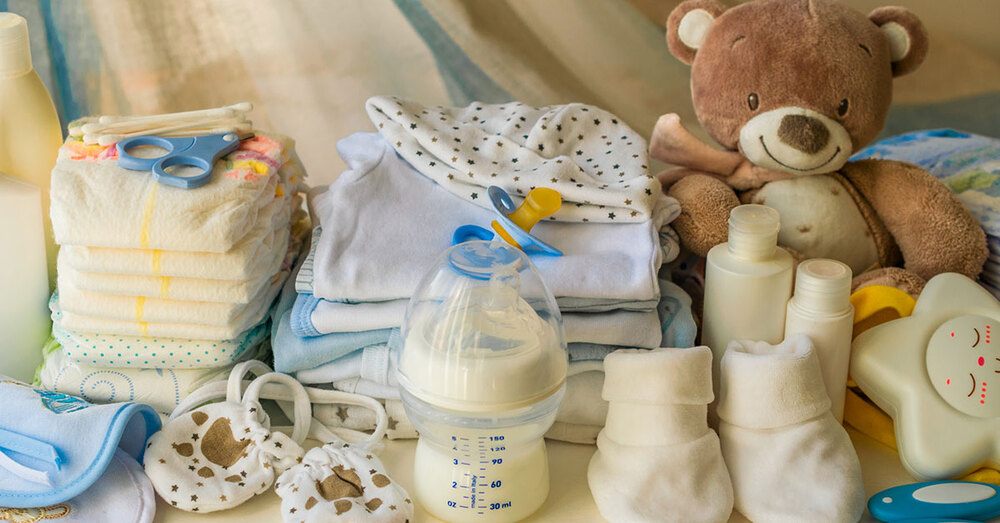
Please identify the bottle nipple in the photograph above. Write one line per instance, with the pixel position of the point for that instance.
(15, 53)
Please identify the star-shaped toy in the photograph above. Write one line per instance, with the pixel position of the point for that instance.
(937, 373)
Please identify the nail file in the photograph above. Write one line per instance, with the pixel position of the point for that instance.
(937, 501)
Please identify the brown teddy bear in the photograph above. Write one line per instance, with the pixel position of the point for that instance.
(791, 89)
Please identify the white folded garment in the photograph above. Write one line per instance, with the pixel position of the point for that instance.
(97, 203)
(380, 250)
(597, 163)
(246, 260)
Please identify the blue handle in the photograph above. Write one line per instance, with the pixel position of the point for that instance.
(200, 152)
(937, 500)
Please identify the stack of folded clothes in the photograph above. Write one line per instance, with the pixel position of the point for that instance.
(386, 219)
(969, 165)
(162, 288)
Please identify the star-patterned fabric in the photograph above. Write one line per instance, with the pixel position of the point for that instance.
(337, 482)
(598, 164)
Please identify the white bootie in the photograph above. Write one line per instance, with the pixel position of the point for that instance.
(788, 457)
(656, 458)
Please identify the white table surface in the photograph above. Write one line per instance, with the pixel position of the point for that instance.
(569, 497)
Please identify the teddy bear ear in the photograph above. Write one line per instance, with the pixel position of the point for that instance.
(687, 26)
(906, 35)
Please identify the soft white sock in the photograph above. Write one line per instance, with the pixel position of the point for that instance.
(656, 458)
(788, 457)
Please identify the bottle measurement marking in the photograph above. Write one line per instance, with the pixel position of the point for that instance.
(500, 505)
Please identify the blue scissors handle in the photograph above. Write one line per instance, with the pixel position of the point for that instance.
(200, 152)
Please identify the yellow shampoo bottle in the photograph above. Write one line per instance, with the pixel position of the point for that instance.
(30, 134)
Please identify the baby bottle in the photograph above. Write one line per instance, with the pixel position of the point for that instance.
(482, 370)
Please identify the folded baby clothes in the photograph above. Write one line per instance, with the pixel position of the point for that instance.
(161, 388)
(358, 256)
(97, 203)
(597, 163)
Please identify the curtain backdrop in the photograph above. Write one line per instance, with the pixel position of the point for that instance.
(308, 65)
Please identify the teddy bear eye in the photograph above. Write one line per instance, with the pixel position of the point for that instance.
(753, 101)
(842, 108)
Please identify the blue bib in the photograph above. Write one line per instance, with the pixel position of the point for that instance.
(54, 446)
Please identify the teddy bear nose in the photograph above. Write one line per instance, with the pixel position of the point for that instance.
(804, 133)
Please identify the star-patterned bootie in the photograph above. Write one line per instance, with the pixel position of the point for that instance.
(788, 457)
(656, 458)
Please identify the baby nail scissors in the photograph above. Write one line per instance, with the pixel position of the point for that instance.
(196, 151)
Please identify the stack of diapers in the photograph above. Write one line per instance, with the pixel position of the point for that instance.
(382, 224)
(161, 288)
(969, 165)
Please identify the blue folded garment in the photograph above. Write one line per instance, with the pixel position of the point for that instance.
(54, 446)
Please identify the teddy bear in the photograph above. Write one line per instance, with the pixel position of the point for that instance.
(791, 89)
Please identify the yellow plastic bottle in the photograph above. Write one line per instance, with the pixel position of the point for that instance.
(30, 134)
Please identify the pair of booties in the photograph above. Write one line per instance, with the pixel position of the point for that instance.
(779, 455)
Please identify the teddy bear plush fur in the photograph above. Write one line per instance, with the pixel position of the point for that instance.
(791, 89)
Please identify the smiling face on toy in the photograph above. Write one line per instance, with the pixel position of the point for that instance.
(963, 362)
(795, 85)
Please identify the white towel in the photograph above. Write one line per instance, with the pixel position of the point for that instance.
(246, 260)
(380, 250)
(597, 163)
(99, 204)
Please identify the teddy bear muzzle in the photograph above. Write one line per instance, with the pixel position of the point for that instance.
(796, 140)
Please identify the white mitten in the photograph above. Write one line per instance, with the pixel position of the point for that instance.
(656, 458)
(222, 454)
(788, 457)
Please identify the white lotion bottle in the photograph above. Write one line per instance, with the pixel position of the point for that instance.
(821, 309)
(748, 281)
(30, 134)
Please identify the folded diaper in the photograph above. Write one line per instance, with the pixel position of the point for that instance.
(95, 202)
(360, 254)
(53, 447)
(245, 261)
(160, 388)
(597, 163)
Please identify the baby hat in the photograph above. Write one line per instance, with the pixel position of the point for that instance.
(123, 494)
(340, 480)
(596, 162)
(54, 446)
(222, 454)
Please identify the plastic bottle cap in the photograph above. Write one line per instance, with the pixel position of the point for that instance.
(15, 52)
(823, 285)
(753, 231)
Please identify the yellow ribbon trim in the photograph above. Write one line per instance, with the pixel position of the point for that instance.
(147, 216)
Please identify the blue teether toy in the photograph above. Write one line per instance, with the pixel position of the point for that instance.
(937, 501)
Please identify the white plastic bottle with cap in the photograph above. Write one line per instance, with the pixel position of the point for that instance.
(821, 309)
(748, 281)
(30, 134)
(482, 371)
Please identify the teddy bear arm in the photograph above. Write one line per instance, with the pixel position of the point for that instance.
(705, 205)
(934, 231)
